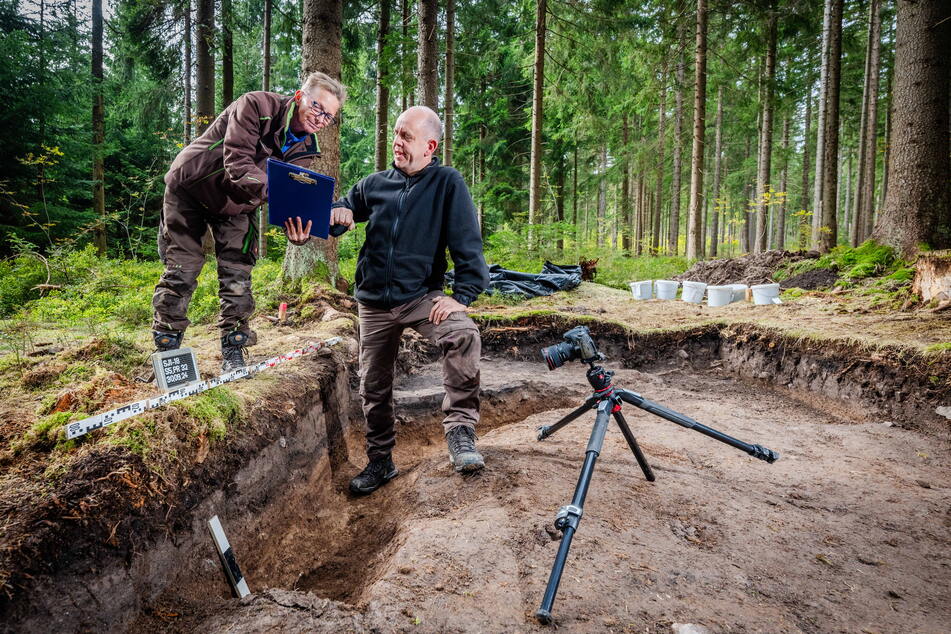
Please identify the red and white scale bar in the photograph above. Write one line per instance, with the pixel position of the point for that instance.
(86, 425)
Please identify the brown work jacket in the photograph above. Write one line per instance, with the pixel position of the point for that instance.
(224, 169)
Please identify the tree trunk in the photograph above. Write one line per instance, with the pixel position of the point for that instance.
(187, 72)
(780, 237)
(266, 72)
(560, 169)
(481, 206)
(917, 208)
(227, 54)
(427, 68)
(405, 89)
(661, 141)
(382, 152)
(574, 191)
(828, 230)
(265, 85)
(743, 230)
(450, 80)
(320, 50)
(717, 153)
(642, 215)
(886, 160)
(821, 125)
(695, 219)
(804, 225)
(98, 130)
(865, 193)
(538, 88)
(673, 234)
(602, 194)
(625, 186)
(766, 138)
(205, 65)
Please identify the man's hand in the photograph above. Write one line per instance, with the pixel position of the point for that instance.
(296, 233)
(342, 216)
(443, 306)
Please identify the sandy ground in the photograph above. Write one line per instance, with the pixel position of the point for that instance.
(848, 531)
(817, 315)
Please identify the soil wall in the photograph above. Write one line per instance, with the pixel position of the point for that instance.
(92, 586)
(284, 468)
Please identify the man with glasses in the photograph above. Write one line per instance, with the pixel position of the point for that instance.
(415, 212)
(218, 181)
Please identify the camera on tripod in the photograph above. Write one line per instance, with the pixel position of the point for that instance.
(577, 344)
(607, 400)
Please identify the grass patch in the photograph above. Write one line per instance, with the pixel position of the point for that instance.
(98, 294)
(48, 433)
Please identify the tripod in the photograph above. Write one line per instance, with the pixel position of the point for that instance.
(607, 400)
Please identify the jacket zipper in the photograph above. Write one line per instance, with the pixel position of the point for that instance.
(393, 233)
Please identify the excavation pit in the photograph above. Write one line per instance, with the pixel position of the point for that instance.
(847, 531)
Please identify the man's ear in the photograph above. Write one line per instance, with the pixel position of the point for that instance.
(297, 96)
(431, 146)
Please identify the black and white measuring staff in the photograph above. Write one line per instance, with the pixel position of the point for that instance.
(86, 425)
(228, 560)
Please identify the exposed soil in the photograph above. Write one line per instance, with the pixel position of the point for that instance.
(755, 268)
(816, 279)
(847, 532)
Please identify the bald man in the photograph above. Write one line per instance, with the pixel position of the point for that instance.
(414, 212)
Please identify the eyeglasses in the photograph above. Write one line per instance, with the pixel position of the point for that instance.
(323, 115)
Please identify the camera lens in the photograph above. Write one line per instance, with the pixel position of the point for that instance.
(556, 356)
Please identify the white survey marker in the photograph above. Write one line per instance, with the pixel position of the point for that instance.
(238, 583)
(86, 425)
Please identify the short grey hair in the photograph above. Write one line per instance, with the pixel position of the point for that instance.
(325, 82)
(430, 119)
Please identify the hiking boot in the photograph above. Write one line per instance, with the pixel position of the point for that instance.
(165, 341)
(462, 450)
(377, 473)
(232, 350)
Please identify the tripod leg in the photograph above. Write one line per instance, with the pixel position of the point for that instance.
(569, 516)
(757, 451)
(632, 443)
(547, 430)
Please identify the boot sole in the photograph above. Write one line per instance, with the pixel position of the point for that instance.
(367, 491)
(468, 465)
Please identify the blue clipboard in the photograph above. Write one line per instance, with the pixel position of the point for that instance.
(295, 191)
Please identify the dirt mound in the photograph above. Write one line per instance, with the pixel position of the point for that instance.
(811, 280)
(755, 268)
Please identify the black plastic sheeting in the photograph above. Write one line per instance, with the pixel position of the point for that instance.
(553, 278)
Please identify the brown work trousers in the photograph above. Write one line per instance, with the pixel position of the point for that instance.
(181, 229)
(380, 332)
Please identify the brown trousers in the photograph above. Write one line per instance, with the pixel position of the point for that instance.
(380, 332)
(181, 230)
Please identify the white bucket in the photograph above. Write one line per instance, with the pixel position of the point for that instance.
(739, 292)
(764, 294)
(693, 292)
(719, 295)
(665, 289)
(641, 290)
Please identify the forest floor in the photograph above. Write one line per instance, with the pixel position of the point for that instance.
(848, 531)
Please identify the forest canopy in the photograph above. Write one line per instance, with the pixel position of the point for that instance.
(658, 128)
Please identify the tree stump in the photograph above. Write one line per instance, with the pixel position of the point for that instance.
(933, 276)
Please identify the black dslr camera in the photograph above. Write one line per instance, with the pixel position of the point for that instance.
(578, 344)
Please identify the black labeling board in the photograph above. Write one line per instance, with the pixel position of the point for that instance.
(175, 368)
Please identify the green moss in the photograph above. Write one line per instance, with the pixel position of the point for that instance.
(937, 348)
(213, 411)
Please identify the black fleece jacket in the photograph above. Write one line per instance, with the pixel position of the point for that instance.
(411, 220)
